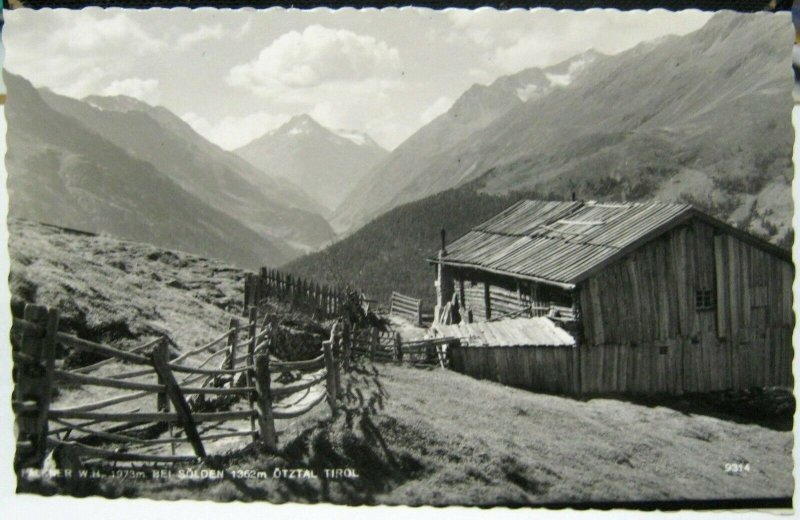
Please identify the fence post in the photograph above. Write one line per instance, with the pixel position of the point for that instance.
(330, 376)
(160, 360)
(34, 382)
(161, 353)
(336, 352)
(233, 339)
(266, 421)
(373, 342)
(346, 344)
(398, 348)
(248, 292)
(419, 313)
(248, 376)
(318, 302)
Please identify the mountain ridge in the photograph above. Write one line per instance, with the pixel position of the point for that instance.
(478, 106)
(730, 154)
(633, 125)
(62, 173)
(328, 163)
(271, 206)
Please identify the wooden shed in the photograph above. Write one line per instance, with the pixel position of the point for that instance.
(660, 297)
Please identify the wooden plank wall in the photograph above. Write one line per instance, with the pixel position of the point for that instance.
(474, 300)
(543, 369)
(643, 332)
(506, 301)
(664, 367)
(677, 367)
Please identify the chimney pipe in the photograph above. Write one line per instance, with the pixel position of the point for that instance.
(444, 234)
(573, 196)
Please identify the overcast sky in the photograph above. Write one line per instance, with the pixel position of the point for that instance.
(234, 75)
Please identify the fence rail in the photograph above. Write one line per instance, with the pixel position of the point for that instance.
(406, 307)
(245, 377)
(388, 346)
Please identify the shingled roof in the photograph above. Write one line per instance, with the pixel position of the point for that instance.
(563, 243)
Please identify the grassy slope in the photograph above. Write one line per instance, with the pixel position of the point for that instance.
(122, 292)
(437, 437)
(415, 436)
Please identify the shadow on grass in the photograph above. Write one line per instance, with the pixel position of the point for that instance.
(771, 408)
(352, 439)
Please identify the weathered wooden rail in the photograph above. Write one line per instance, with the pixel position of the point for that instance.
(244, 374)
(407, 308)
(388, 345)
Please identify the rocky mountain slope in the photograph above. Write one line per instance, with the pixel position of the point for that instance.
(386, 183)
(704, 117)
(61, 172)
(328, 164)
(268, 204)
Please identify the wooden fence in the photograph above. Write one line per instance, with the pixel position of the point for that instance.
(387, 345)
(406, 307)
(243, 376)
(321, 301)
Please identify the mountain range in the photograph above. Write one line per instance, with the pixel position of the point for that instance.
(703, 118)
(389, 182)
(120, 166)
(328, 164)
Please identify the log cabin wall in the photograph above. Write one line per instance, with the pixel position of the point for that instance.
(490, 295)
(693, 310)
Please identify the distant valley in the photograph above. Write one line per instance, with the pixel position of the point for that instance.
(119, 166)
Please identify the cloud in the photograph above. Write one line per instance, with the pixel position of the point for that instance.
(202, 33)
(143, 89)
(76, 52)
(341, 78)
(509, 42)
(437, 108)
(88, 33)
(316, 55)
(233, 132)
(244, 29)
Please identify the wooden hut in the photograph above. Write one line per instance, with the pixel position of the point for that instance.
(660, 297)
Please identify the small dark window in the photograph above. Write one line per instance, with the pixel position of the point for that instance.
(704, 299)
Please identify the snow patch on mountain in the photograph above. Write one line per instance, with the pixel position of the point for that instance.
(559, 80)
(531, 91)
(354, 136)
